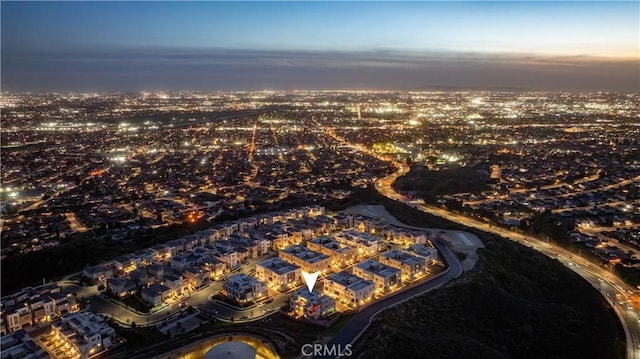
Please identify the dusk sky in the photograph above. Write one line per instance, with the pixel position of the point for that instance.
(95, 46)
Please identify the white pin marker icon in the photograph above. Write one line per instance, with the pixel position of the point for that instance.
(310, 279)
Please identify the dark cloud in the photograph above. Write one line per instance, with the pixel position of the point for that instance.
(225, 69)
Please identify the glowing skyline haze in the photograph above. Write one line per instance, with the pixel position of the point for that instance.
(93, 40)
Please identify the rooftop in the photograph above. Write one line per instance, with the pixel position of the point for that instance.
(305, 254)
(349, 280)
(278, 265)
(242, 281)
(331, 244)
(312, 297)
(377, 268)
(403, 257)
(154, 290)
(422, 250)
(361, 237)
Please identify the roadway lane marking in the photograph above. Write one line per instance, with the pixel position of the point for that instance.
(464, 238)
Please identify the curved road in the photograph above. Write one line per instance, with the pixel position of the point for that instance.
(99, 304)
(616, 292)
(361, 321)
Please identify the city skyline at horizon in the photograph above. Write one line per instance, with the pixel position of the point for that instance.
(113, 46)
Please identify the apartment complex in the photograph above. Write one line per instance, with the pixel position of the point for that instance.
(406, 236)
(412, 266)
(34, 306)
(311, 305)
(366, 244)
(98, 273)
(349, 289)
(155, 294)
(341, 254)
(430, 254)
(308, 260)
(190, 262)
(86, 333)
(278, 274)
(244, 289)
(384, 277)
(20, 345)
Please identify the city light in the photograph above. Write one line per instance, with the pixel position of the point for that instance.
(120, 181)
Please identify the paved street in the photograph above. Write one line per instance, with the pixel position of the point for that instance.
(608, 284)
(617, 293)
(100, 305)
(361, 321)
